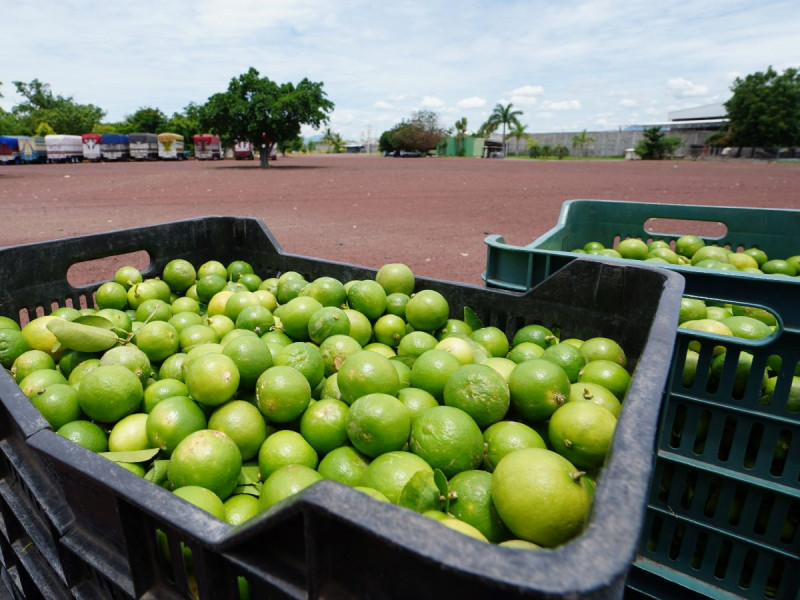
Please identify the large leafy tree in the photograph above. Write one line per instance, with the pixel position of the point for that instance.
(505, 116)
(63, 115)
(265, 113)
(656, 145)
(764, 111)
(146, 120)
(421, 132)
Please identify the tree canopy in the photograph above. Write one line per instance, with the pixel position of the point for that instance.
(62, 115)
(422, 132)
(656, 145)
(503, 115)
(263, 112)
(764, 111)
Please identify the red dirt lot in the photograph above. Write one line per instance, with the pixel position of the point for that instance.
(431, 213)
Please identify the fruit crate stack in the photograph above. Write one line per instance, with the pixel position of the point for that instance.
(724, 499)
(76, 525)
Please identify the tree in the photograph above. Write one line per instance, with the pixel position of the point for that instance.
(333, 140)
(764, 111)
(256, 109)
(461, 134)
(487, 128)
(421, 132)
(64, 115)
(580, 140)
(503, 115)
(518, 132)
(655, 145)
(146, 120)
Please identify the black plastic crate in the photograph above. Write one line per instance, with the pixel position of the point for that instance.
(94, 524)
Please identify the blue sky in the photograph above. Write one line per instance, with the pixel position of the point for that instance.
(594, 65)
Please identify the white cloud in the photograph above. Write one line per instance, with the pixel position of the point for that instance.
(629, 103)
(382, 105)
(685, 88)
(471, 102)
(562, 105)
(432, 102)
(528, 90)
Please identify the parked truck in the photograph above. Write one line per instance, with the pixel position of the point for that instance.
(9, 149)
(207, 147)
(32, 149)
(243, 151)
(144, 146)
(116, 146)
(91, 143)
(64, 148)
(170, 146)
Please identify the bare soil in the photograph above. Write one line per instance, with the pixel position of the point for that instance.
(430, 213)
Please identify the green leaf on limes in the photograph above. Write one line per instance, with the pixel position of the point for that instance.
(250, 490)
(471, 319)
(132, 456)
(440, 479)
(158, 472)
(94, 321)
(249, 475)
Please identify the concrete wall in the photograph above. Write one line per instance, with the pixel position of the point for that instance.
(607, 143)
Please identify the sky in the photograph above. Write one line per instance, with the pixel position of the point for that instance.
(571, 65)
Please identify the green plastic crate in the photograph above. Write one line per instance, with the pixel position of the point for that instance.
(724, 498)
(608, 221)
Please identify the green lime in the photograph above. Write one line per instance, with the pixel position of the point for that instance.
(447, 438)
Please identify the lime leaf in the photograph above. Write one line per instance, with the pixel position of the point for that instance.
(471, 319)
(440, 479)
(158, 472)
(249, 475)
(250, 490)
(94, 321)
(131, 456)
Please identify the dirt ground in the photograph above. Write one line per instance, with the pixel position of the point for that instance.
(431, 213)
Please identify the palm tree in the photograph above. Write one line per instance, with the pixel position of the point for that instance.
(503, 115)
(518, 132)
(581, 140)
(461, 129)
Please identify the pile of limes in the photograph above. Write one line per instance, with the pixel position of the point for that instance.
(691, 250)
(237, 392)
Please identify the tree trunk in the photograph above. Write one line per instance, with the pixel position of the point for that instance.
(266, 150)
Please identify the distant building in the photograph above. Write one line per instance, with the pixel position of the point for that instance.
(473, 146)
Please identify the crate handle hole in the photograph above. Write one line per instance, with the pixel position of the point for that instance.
(88, 272)
(680, 227)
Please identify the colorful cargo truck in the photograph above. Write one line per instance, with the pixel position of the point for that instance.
(116, 146)
(243, 151)
(207, 147)
(9, 149)
(32, 149)
(91, 143)
(170, 146)
(64, 148)
(144, 146)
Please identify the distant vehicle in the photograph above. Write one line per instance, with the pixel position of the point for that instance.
(170, 146)
(243, 151)
(409, 154)
(64, 148)
(207, 147)
(9, 149)
(116, 146)
(144, 146)
(32, 149)
(91, 143)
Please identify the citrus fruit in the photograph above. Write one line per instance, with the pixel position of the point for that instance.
(305, 358)
(568, 357)
(710, 253)
(129, 434)
(12, 345)
(520, 545)
(157, 339)
(327, 321)
(687, 245)
(389, 329)
(202, 498)
(206, 458)
(447, 438)
(330, 388)
(360, 326)
(538, 387)
(759, 255)
(777, 266)
(251, 281)
(237, 268)
(282, 394)
(243, 423)
(493, 339)
(344, 464)
(525, 351)
(372, 493)
(463, 528)
(251, 356)
(367, 297)
(692, 309)
(593, 246)
(479, 391)
(193, 335)
(335, 350)
(185, 304)
(171, 420)
(537, 334)
(182, 320)
(746, 327)
(58, 404)
(540, 496)
(289, 289)
(324, 425)
(602, 348)
(239, 508)
(665, 254)
(421, 493)
(212, 378)
(390, 472)
(86, 434)
(506, 436)
(607, 373)
(382, 349)
(633, 248)
(172, 367)
(459, 347)
(127, 276)
(112, 295)
(208, 286)
(296, 316)
(455, 327)
(415, 343)
(502, 365)
(130, 357)
(593, 392)
(743, 366)
(255, 318)
(742, 261)
(396, 304)
(109, 393)
(427, 310)
(286, 482)
(139, 292)
(761, 314)
(396, 277)
(377, 423)
(285, 447)
(709, 326)
(39, 337)
(416, 400)
(35, 383)
(8, 323)
(154, 309)
(82, 370)
(161, 389)
(367, 372)
(792, 401)
(473, 504)
(328, 291)
(432, 369)
(582, 433)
